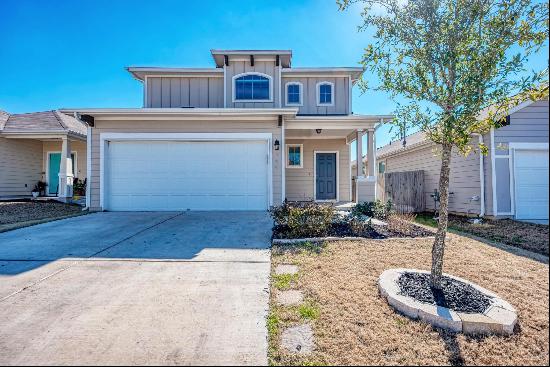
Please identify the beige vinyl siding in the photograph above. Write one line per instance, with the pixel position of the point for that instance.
(300, 181)
(464, 182)
(176, 92)
(76, 146)
(309, 95)
(20, 165)
(182, 127)
(263, 67)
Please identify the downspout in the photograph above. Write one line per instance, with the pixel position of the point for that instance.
(481, 178)
(88, 160)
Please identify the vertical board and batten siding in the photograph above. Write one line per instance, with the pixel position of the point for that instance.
(263, 67)
(300, 181)
(464, 181)
(112, 126)
(20, 165)
(178, 92)
(76, 146)
(309, 95)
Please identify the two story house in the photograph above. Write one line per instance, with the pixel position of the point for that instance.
(243, 135)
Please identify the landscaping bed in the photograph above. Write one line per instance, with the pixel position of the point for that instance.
(16, 214)
(455, 295)
(295, 220)
(528, 236)
(353, 325)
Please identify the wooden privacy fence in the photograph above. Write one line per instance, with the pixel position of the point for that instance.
(405, 190)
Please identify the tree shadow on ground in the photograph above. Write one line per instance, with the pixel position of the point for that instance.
(452, 346)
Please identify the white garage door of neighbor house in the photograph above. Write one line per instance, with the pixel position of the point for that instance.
(181, 175)
(531, 181)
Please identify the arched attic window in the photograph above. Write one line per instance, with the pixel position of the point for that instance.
(252, 87)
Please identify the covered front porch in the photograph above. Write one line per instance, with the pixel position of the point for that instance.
(318, 154)
(54, 159)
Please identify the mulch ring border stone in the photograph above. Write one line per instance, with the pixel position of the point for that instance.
(499, 317)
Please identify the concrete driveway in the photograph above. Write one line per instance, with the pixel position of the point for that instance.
(136, 288)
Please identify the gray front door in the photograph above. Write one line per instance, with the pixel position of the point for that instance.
(325, 177)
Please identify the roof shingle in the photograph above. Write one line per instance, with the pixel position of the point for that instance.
(47, 121)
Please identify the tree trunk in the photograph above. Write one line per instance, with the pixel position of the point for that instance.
(438, 248)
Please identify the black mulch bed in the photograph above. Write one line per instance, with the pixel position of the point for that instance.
(343, 229)
(455, 295)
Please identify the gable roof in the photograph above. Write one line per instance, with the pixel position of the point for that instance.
(419, 138)
(413, 140)
(42, 122)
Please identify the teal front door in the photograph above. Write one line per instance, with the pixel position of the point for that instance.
(53, 172)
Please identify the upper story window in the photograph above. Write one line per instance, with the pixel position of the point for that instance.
(325, 94)
(253, 87)
(294, 94)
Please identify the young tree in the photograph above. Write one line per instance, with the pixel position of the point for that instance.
(449, 59)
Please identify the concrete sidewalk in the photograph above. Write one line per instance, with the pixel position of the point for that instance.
(137, 288)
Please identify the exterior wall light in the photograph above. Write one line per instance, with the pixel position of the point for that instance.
(277, 144)
(318, 131)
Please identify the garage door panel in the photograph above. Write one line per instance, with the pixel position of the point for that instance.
(531, 182)
(187, 175)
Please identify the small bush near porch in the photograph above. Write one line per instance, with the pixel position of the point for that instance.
(309, 219)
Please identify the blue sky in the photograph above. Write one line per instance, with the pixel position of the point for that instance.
(72, 53)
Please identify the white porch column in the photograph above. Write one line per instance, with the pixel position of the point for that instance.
(359, 158)
(371, 154)
(66, 175)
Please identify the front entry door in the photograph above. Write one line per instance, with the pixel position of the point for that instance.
(53, 172)
(325, 176)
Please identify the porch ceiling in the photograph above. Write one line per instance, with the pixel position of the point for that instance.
(313, 134)
(49, 136)
(343, 123)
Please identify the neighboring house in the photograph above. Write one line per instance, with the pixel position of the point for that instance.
(31, 149)
(243, 135)
(510, 182)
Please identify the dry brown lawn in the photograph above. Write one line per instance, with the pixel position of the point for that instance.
(356, 326)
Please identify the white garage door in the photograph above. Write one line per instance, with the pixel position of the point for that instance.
(178, 175)
(531, 180)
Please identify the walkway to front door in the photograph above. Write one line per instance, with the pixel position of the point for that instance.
(325, 176)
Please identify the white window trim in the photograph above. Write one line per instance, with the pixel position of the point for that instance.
(315, 152)
(235, 77)
(318, 89)
(48, 166)
(301, 146)
(301, 88)
(105, 138)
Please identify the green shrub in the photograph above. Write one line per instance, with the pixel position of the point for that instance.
(302, 220)
(374, 209)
